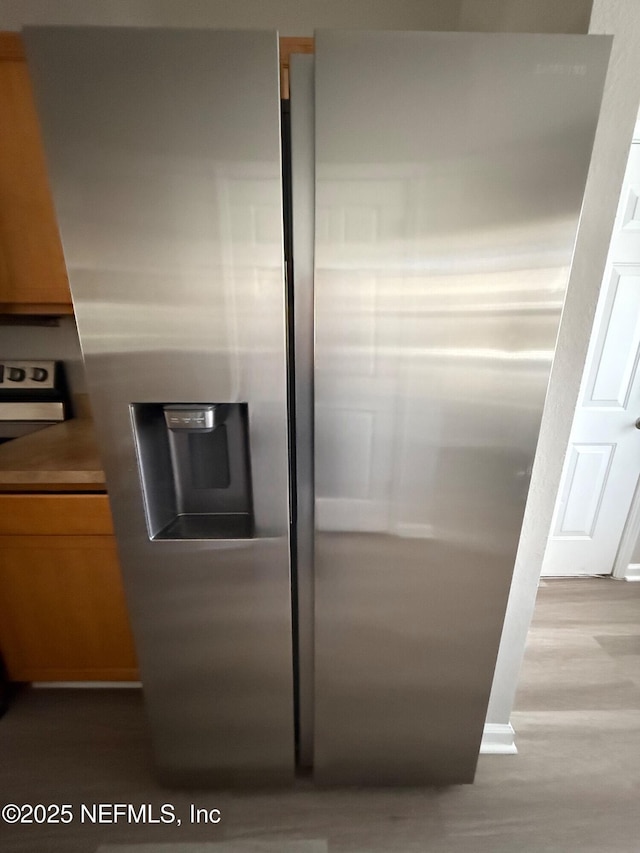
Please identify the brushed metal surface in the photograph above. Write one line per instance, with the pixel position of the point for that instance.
(164, 156)
(302, 188)
(450, 170)
(32, 411)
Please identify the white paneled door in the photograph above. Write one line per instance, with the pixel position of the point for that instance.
(602, 466)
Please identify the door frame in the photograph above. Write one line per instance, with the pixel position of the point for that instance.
(623, 568)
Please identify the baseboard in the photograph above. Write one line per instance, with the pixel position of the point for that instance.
(498, 739)
(633, 572)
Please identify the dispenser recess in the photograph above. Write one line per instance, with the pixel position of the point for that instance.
(195, 469)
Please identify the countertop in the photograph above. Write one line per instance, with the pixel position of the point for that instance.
(58, 458)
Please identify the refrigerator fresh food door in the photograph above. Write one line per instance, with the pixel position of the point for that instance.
(450, 170)
(164, 155)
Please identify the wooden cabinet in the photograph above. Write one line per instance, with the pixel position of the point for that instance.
(63, 615)
(33, 277)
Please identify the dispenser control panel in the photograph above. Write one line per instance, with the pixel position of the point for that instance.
(189, 417)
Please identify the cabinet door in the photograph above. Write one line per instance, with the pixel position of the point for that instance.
(33, 276)
(62, 611)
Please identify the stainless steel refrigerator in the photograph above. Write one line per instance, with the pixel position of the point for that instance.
(317, 478)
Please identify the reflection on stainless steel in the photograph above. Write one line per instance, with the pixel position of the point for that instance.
(450, 170)
(164, 156)
(301, 102)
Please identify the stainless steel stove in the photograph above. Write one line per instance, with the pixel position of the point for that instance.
(33, 395)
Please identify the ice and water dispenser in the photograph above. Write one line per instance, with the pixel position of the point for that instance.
(195, 469)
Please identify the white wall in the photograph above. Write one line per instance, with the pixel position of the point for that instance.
(290, 17)
(301, 17)
(619, 109)
(525, 16)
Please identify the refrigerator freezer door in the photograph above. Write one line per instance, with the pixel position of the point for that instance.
(450, 170)
(164, 155)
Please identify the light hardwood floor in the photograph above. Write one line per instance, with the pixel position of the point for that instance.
(574, 786)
